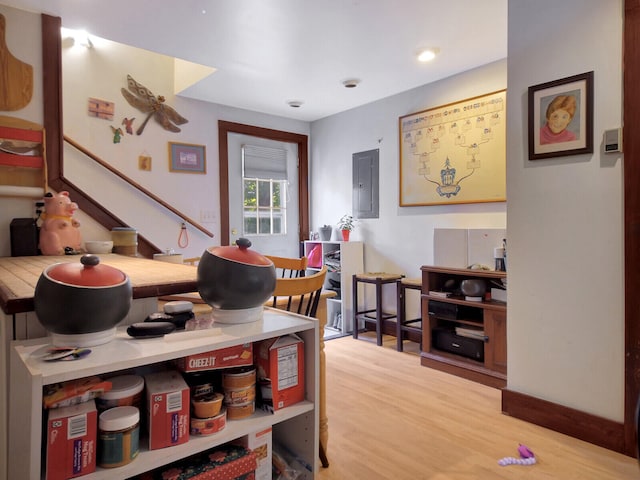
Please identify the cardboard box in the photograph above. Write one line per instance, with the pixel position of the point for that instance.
(71, 441)
(280, 371)
(235, 356)
(167, 409)
(228, 462)
(260, 443)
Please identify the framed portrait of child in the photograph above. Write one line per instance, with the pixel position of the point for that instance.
(561, 117)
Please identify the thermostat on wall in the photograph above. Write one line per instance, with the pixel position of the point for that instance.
(613, 140)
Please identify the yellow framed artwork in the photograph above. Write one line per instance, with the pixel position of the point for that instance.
(454, 153)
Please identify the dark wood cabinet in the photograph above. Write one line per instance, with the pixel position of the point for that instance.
(460, 336)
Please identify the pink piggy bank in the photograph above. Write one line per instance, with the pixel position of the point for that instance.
(59, 230)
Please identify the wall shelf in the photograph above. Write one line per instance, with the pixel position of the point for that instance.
(22, 158)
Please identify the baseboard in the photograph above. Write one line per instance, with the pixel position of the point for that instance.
(584, 426)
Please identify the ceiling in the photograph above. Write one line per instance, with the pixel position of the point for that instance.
(270, 52)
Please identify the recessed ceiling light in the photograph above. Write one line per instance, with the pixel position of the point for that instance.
(428, 54)
(295, 103)
(351, 83)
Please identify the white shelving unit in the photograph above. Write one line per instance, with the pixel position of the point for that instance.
(350, 260)
(295, 426)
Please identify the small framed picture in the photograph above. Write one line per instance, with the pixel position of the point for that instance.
(187, 158)
(561, 117)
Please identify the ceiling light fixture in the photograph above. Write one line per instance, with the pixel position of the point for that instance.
(428, 54)
(295, 103)
(77, 37)
(351, 83)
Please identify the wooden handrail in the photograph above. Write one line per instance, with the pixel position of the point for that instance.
(135, 185)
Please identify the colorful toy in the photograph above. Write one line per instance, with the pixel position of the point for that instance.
(117, 134)
(526, 458)
(59, 232)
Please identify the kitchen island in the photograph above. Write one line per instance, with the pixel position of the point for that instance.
(150, 279)
(18, 278)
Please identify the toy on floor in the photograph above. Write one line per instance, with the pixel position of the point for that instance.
(526, 458)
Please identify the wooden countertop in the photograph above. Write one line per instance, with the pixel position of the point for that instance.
(149, 278)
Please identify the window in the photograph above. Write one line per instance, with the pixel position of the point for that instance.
(264, 173)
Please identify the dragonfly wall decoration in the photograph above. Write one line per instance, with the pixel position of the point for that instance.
(146, 102)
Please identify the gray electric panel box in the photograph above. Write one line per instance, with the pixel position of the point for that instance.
(366, 184)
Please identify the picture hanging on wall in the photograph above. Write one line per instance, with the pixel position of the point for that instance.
(561, 117)
(187, 158)
(454, 153)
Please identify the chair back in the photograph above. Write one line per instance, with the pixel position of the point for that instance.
(289, 267)
(300, 295)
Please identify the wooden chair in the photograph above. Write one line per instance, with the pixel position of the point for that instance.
(289, 267)
(302, 295)
(191, 261)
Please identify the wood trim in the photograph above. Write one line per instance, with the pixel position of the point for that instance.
(590, 428)
(631, 107)
(52, 97)
(224, 128)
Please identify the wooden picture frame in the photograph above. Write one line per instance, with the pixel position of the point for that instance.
(455, 153)
(561, 117)
(187, 158)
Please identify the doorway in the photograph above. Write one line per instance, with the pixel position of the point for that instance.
(263, 194)
(301, 141)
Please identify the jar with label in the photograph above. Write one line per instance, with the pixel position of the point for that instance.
(126, 390)
(125, 241)
(118, 436)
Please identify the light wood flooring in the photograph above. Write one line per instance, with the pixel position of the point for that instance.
(390, 418)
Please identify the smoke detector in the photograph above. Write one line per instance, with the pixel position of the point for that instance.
(351, 83)
(295, 103)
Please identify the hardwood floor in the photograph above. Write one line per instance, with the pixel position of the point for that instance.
(390, 418)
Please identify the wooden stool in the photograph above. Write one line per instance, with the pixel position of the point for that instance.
(406, 329)
(378, 279)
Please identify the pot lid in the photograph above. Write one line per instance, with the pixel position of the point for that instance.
(240, 253)
(87, 273)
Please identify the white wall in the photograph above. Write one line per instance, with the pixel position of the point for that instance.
(401, 239)
(566, 318)
(101, 72)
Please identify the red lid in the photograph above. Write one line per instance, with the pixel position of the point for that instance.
(88, 273)
(240, 253)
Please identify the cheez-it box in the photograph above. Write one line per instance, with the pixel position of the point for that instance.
(71, 441)
(280, 371)
(235, 356)
(167, 409)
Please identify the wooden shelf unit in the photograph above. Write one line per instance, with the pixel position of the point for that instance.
(490, 316)
(339, 308)
(295, 426)
(22, 175)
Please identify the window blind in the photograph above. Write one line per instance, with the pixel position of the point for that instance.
(264, 162)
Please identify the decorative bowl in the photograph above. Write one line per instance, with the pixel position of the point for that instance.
(235, 277)
(473, 287)
(98, 246)
(81, 303)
